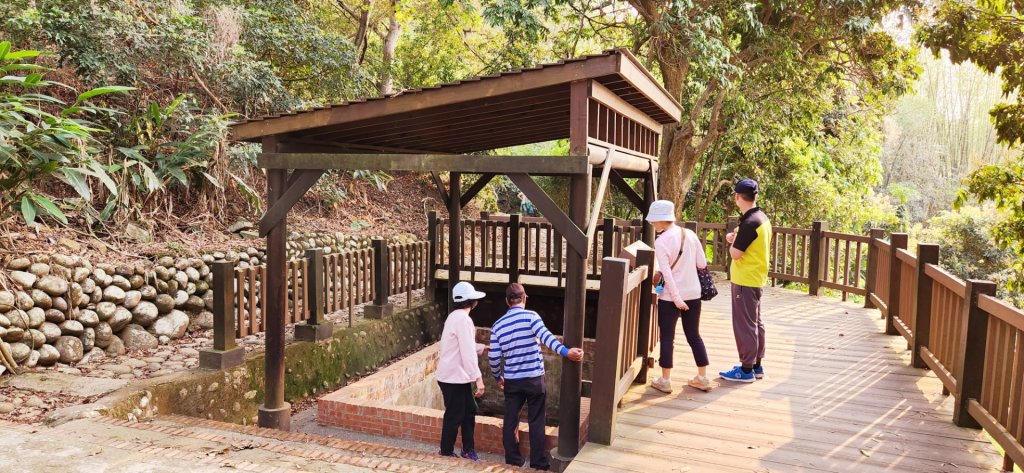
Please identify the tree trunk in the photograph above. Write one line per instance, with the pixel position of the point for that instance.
(360, 40)
(387, 81)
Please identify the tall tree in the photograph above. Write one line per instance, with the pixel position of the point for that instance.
(711, 54)
(991, 35)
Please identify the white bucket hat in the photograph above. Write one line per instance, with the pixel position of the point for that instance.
(465, 291)
(662, 211)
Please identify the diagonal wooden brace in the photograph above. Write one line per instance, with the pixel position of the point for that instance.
(476, 188)
(602, 189)
(440, 186)
(573, 235)
(301, 182)
(628, 191)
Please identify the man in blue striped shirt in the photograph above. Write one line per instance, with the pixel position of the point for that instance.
(518, 366)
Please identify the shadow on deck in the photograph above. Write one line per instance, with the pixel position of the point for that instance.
(838, 396)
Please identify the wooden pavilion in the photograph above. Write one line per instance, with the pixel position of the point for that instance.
(608, 105)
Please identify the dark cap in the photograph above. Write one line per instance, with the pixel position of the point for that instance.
(746, 186)
(515, 293)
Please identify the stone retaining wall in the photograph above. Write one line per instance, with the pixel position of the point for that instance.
(62, 307)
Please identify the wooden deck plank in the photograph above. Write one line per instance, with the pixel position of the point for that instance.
(829, 402)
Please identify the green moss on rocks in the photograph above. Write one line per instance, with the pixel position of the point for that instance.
(311, 367)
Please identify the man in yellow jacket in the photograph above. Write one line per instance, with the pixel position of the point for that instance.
(750, 244)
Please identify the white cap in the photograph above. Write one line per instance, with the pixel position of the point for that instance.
(662, 211)
(464, 291)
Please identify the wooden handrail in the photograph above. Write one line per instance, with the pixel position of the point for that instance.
(941, 276)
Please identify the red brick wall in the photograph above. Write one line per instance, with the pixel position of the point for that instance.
(424, 424)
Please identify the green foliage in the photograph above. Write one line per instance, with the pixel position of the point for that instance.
(43, 139)
(1002, 185)
(968, 249)
(174, 147)
(989, 35)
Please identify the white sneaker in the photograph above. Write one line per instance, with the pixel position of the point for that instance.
(662, 384)
(702, 383)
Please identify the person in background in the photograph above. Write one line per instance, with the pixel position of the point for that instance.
(457, 372)
(679, 254)
(749, 273)
(518, 366)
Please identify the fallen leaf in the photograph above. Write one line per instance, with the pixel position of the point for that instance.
(865, 453)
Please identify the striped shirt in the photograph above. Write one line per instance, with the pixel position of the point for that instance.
(514, 342)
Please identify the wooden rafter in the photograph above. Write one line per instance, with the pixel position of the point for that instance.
(465, 163)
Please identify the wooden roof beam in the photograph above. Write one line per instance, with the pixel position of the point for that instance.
(400, 104)
(467, 163)
(606, 97)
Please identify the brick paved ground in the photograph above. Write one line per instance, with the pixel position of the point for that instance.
(174, 444)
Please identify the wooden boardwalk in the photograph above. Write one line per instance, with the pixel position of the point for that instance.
(838, 395)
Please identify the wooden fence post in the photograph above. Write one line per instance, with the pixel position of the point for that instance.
(432, 235)
(515, 252)
(648, 313)
(380, 308)
(818, 260)
(971, 349)
(730, 224)
(607, 362)
(315, 328)
(872, 276)
(225, 354)
(926, 254)
(897, 241)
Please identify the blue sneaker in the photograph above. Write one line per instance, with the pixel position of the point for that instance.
(758, 372)
(737, 374)
(470, 455)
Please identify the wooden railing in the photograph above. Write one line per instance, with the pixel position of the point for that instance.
(627, 333)
(348, 279)
(516, 245)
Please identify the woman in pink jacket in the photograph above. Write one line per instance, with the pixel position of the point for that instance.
(458, 370)
(679, 254)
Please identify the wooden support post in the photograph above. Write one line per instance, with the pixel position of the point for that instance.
(225, 354)
(898, 241)
(648, 314)
(454, 233)
(275, 413)
(971, 349)
(607, 362)
(608, 238)
(872, 276)
(381, 308)
(649, 197)
(730, 224)
(315, 327)
(926, 254)
(515, 248)
(818, 259)
(433, 237)
(576, 280)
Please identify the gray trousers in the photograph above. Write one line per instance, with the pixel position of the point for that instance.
(747, 325)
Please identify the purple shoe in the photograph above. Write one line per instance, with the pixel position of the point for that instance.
(470, 455)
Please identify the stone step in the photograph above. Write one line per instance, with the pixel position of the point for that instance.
(265, 449)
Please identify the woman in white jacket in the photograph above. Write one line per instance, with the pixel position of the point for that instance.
(458, 370)
(679, 254)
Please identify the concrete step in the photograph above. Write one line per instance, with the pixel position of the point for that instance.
(250, 448)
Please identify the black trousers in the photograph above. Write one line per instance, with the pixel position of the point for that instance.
(459, 411)
(668, 313)
(529, 391)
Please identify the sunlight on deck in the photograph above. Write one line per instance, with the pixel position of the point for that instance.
(838, 395)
